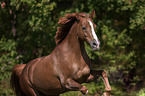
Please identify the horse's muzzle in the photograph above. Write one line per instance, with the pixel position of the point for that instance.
(95, 45)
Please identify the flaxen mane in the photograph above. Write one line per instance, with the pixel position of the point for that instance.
(65, 26)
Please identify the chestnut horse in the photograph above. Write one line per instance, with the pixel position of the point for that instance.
(67, 67)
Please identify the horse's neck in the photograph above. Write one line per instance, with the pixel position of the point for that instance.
(72, 40)
(75, 45)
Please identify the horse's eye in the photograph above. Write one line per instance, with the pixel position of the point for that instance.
(84, 28)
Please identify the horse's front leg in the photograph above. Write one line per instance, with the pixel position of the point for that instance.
(74, 86)
(97, 73)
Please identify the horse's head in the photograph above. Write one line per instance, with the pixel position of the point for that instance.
(86, 29)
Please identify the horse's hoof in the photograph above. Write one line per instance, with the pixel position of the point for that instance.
(84, 90)
(106, 94)
(108, 90)
(86, 93)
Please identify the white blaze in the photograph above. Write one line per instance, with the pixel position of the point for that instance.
(93, 32)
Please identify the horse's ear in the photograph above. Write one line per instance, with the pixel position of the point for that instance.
(92, 15)
(77, 15)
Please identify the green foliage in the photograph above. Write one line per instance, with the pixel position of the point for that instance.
(72, 93)
(8, 58)
(36, 26)
(139, 93)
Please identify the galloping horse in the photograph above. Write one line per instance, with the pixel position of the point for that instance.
(67, 67)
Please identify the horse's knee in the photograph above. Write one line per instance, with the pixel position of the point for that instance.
(104, 73)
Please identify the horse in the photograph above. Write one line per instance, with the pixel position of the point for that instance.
(67, 67)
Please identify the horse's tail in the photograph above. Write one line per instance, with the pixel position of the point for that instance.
(14, 82)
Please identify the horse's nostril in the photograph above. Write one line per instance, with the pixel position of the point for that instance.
(94, 44)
